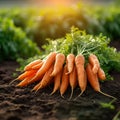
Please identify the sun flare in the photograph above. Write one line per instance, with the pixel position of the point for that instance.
(59, 2)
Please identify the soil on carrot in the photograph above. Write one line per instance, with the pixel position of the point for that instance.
(21, 104)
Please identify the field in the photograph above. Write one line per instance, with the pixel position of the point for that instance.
(23, 39)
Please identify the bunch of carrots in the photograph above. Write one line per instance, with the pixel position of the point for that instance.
(63, 71)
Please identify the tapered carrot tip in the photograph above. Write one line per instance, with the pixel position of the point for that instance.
(79, 95)
(52, 92)
(36, 87)
(105, 94)
(71, 94)
(62, 96)
(33, 89)
(13, 81)
(19, 85)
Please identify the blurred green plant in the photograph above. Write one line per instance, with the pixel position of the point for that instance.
(108, 104)
(42, 23)
(14, 43)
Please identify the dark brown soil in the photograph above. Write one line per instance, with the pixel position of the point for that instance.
(22, 104)
(116, 44)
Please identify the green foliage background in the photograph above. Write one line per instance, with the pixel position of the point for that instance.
(14, 43)
(23, 31)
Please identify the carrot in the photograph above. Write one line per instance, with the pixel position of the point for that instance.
(59, 61)
(23, 75)
(31, 64)
(70, 62)
(57, 80)
(101, 74)
(82, 82)
(38, 66)
(26, 80)
(73, 80)
(93, 80)
(64, 82)
(46, 80)
(46, 65)
(93, 60)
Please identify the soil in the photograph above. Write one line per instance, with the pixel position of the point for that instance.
(21, 104)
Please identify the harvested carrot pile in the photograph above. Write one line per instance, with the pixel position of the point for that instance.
(63, 72)
(72, 61)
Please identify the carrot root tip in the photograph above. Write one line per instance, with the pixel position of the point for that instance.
(13, 81)
(79, 95)
(71, 94)
(32, 90)
(18, 85)
(52, 92)
(62, 96)
(105, 94)
(36, 90)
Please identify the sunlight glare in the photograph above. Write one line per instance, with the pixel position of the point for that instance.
(59, 2)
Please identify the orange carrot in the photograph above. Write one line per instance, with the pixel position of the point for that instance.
(46, 65)
(101, 74)
(82, 82)
(93, 60)
(70, 62)
(25, 74)
(57, 80)
(31, 64)
(59, 61)
(73, 80)
(93, 80)
(64, 81)
(46, 80)
(26, 80)
(38, 66)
